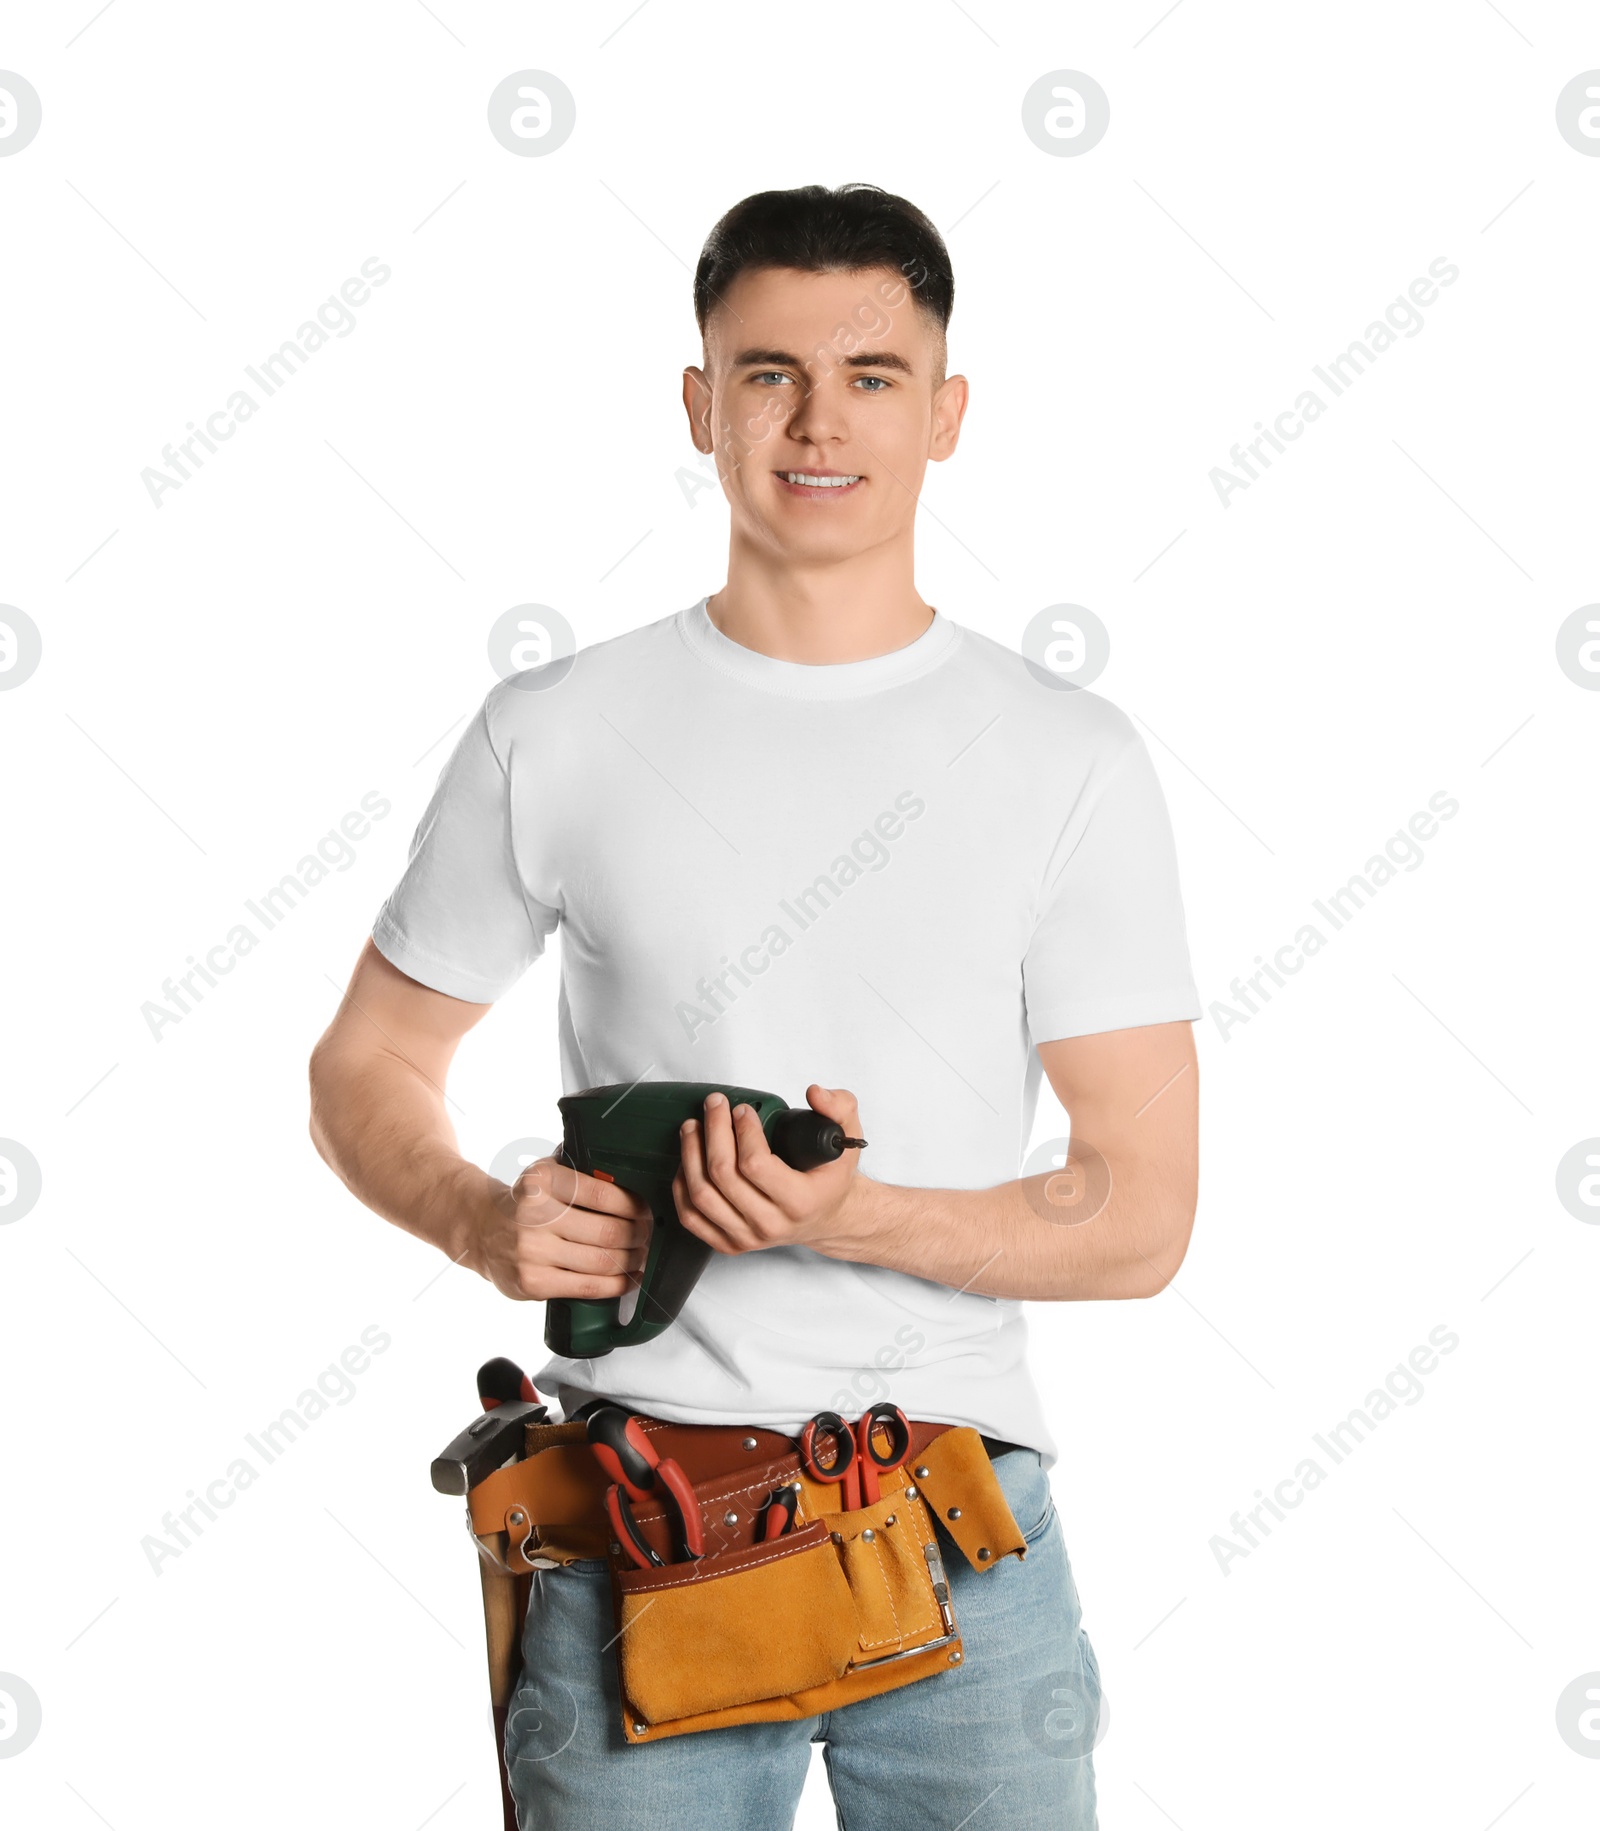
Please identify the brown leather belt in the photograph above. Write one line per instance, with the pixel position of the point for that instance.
(708, 1450)
(551, 1505)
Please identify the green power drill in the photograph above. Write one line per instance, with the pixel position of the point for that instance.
(629, 1136)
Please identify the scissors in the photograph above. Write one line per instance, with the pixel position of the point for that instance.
(832, 1451)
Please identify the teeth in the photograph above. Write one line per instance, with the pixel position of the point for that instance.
(817, 483)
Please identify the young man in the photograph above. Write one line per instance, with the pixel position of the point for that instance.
(808, 833)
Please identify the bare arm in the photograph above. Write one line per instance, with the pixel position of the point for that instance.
(1133, 1097)
(379, 1120)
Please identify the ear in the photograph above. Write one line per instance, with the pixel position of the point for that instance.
(949, 409)
(697, 404)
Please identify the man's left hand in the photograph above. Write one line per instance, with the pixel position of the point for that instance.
(734, 1193)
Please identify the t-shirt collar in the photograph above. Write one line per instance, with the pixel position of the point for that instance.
(808, 680)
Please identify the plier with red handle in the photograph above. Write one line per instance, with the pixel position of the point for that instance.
(639, 1472)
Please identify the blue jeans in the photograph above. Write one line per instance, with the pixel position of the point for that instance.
(1003, 1741)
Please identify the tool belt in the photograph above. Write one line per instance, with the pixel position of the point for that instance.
(844, 1605)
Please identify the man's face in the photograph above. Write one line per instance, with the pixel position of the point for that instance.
(816, 376)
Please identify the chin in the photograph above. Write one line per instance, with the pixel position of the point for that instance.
(833, 550)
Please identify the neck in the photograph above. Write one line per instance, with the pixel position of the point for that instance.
(845, 610)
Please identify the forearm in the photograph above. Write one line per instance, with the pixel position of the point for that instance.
(382, 1127)
(1012, 1241)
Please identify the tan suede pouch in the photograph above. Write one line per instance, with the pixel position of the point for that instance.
(884, 1552)
(845, 1606)
(735, 1628)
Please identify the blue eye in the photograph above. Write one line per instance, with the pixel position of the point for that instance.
(770, 374)
(873, 378)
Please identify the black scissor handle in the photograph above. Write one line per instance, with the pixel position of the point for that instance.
(899, 1427)
(830, 1427)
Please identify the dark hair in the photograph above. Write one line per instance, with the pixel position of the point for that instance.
(816, 230)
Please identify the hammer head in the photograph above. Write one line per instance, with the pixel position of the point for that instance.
(485, 1445)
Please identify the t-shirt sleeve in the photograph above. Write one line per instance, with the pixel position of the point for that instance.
(461, 920)
(1109, 950)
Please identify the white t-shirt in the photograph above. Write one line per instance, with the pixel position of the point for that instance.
(894, 875)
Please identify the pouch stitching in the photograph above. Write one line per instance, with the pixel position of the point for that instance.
(714, 1498)
(656, 1426)
(896, 1636)
(653, 1512)
(752, 1564)
(925, 1590)
(906, 1631)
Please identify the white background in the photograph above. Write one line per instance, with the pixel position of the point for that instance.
(1372, 621)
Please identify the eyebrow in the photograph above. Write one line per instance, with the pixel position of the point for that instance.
(863, 359)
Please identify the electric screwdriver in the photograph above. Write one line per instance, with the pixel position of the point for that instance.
(629, 1136)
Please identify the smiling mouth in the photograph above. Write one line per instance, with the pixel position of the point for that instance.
(819, 484)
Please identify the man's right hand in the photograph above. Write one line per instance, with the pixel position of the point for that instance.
(378, 1118)
(555, 1232)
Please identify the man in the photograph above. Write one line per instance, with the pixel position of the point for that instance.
(809, 833)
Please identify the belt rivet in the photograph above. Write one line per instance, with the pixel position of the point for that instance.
(911, 1493)
(837, 1537)
(891, 1519)
(616, 1549)
(983, 1554)
(954, 1513)
(730, 1518)
(638, 1729)
(869, 1534)
(749, 1443)
(922, 1473)
(955, 1658)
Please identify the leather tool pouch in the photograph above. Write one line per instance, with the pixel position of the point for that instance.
(778, 1616)
(843, 1606)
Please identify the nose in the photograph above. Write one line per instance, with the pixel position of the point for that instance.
(819, 417)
